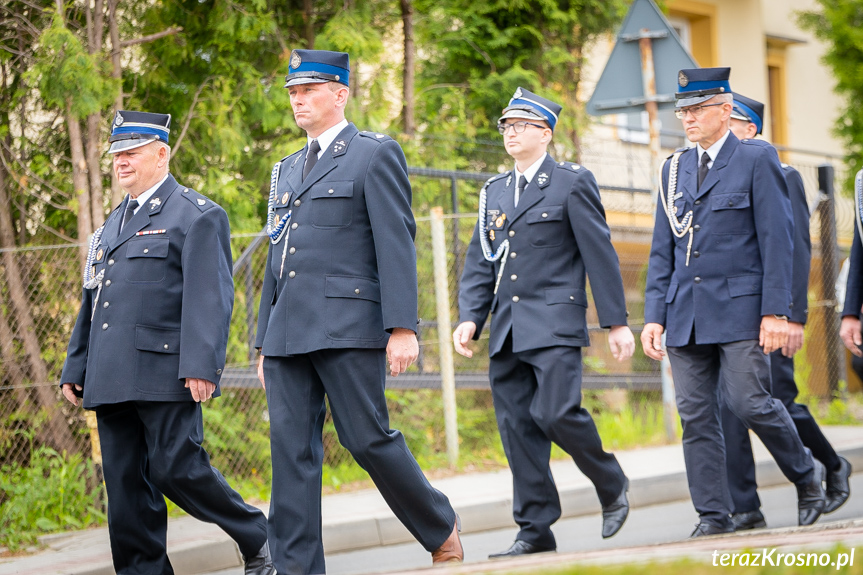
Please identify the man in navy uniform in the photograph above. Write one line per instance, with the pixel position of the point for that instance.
(149, 346)
(746, 123)
(541, 229)
(339, 301)
(719, 283)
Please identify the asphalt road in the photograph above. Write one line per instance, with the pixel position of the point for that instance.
(646, 525)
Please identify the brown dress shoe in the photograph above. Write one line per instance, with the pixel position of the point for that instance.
(451, 550)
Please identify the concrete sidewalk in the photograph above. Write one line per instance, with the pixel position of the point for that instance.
(362, 519)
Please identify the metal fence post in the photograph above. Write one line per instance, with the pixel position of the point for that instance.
(444, 325)
(829, 272)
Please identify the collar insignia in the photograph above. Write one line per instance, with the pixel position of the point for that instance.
(542, 178)
(155, 203)
(338, 146)
(508, 180)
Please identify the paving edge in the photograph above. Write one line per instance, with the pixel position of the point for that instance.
(366, 532)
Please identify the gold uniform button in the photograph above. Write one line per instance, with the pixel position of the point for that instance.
(294, 225)
(292, 250)
(292, 274)
(515, 298)
(297, 202)
(511, 233)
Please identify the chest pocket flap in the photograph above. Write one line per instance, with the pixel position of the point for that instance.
(733, 201)
(545, 214)
(148, 248)
(332, 190)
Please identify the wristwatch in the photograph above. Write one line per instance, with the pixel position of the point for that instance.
(782, 317)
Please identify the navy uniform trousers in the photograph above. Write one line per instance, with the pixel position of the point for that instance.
(151, 449)
(537, 400)
(352, 380)
(740, 461)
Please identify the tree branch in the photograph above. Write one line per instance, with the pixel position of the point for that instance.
(189, 115)
(151, 37)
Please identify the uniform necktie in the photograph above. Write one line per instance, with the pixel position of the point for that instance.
(702, 168)
(522, 184)
(311, 158)
(130, 211)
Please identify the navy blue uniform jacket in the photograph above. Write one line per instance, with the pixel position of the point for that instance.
(741, 259)
(350, 274)
(557, 234)
(802, 246)
(165, 306)
(854, 285)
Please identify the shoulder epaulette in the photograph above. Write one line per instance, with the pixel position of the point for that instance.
(200, 201)
(496, 177)
(754, 142)
(568, 166)
(377, 136)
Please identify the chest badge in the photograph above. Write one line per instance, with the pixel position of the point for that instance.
(542, 178)
(285, 197)
(500, 220)
(155, 203)
(491, 235)
(99, 254)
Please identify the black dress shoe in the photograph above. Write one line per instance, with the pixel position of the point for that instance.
(748, 520)
(615, 514)
(705, 529)
(260, 564)
(810, 497)
(838, 488)
(521, 548)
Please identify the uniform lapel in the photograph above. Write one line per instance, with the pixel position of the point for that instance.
(534, 192)
(292, 174)
(687, 176)
(150, 208)
(715, 172)
(506, 199)
(329, 159)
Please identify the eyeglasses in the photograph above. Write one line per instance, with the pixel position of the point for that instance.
(519, 127)
(696, 111)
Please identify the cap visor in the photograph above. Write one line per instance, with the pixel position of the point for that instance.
(123, 145)
(306, 80)
(683, 102)
(521, 114)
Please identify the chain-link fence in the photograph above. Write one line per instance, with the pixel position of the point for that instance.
(40, 296)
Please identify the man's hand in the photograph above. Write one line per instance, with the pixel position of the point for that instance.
(201, 389)
(621, 342)
(461, 336)
(774, 333)
(69, 394)
(402, 350)
(795, 339)
(261, 371)
(849, 331)
(651, 341)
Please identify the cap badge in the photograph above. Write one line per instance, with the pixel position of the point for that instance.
(682, 79)
(155, 203)
(295, 60)
(118, 120)
(542, 178)
(201, 202)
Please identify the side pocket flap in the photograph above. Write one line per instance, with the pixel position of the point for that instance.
(672, 291)
(744, 285)
(566, 295)
(157, 339)
(353, 287)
